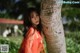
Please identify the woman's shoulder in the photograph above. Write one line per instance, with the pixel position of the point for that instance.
(32, 33)
(31, 29)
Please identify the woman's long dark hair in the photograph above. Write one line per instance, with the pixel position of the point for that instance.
(27, 20)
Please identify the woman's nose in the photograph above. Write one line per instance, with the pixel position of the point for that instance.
(35, 18)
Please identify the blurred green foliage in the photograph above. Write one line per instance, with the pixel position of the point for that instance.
(6, 15)
(13, 47)
(73, 42)
(70, 13)
(13, 42)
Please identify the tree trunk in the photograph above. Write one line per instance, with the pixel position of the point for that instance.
(52, 26)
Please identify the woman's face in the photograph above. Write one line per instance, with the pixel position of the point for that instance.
(34, 18)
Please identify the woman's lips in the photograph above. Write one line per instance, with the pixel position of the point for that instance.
(37, 21)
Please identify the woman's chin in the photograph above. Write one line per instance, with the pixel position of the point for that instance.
(37, 23)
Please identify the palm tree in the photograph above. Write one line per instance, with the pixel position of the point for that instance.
(52, 26)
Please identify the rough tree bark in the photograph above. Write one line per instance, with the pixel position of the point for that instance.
(52, 26)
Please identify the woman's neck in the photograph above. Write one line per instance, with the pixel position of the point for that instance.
(34, 26)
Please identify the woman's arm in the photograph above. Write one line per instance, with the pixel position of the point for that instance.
(28, 45)
(27, 42)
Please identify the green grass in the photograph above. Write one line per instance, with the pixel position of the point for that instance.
(14, 39)
(73, 42)
(13, 42)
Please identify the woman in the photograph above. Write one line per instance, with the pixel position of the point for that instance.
(33, 40)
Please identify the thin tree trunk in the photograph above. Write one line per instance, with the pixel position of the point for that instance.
(52, 26)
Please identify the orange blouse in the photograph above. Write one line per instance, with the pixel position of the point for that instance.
(32, 43)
